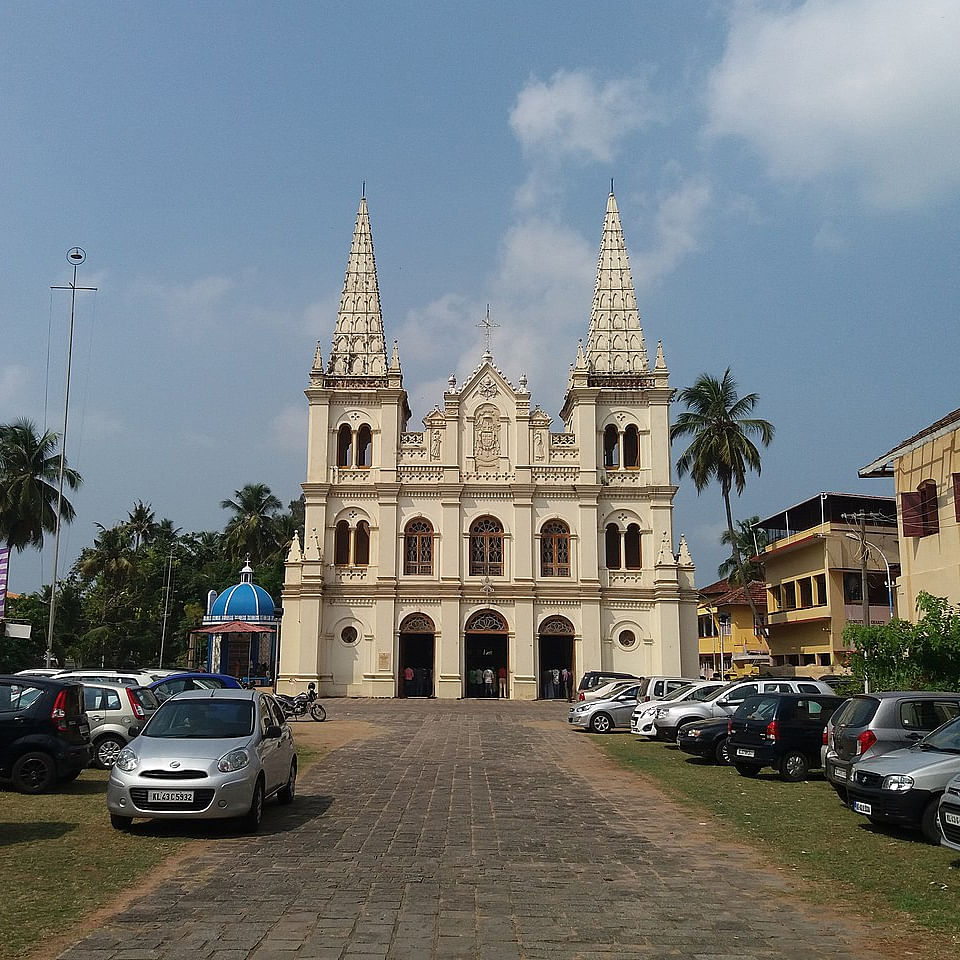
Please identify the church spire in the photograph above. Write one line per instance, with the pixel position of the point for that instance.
(358, 348)
(615, 340)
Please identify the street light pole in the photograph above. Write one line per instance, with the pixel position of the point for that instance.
(166, 605)
(75, 256)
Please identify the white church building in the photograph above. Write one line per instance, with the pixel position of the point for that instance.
(490, 543)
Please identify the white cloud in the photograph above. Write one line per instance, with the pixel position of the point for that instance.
(862, 87)
(191, 306)
(289, 427)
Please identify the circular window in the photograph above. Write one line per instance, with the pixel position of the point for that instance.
(349, 635)
(627, 639)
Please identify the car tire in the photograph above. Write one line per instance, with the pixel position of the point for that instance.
(120, 823)
(253, 817)
(794, 767)
(288, 791)
(34, 772)
(318, 713)
(747, 769)
(601, 723)
(721, 754)
(930, 823)
(106, 750)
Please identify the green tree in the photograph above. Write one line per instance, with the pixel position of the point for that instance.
(717, 421)
(750, 541)
(252, 530)
(29, 478)
(142, 524)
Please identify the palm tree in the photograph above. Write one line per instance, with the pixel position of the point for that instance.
(111, 560)
(29, 475)
(750, 542)
(251, 530)
(142, 524)
(717, 420)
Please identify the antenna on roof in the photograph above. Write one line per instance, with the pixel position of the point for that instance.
(363, 189)
(611, 184)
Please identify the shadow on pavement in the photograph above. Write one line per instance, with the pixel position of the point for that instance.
(11, 833)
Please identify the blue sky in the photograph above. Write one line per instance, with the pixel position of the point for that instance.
(786, 173)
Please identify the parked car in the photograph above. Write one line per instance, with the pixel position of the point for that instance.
(656, 688)
(608, 712)
(949, 815)
(39, 672)
(595, 678)
(44, 732)
(641, 722)
(205, 754)
(706, 739)
(872, 724)
(781, 730)
(128, 678)
(178, 682)
(606, 690)
(904, 787)
(112, 710)
(725, 701)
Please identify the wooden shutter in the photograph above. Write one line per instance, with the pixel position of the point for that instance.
(911, 513)
(931, 514)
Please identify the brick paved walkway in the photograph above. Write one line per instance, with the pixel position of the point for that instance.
(480, 830)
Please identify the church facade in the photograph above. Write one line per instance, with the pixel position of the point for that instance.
(490, 544)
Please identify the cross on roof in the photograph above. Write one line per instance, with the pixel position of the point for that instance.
(487, 325)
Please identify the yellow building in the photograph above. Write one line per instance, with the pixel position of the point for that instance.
(926, 472)
(813, 565)
(731, 643)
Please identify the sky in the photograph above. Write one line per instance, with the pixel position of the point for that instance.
(786, 174)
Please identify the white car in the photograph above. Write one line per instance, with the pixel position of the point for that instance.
(606, 690)
(641, 723)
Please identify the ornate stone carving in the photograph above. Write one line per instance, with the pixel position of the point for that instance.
(538, 446)
(556, 625)
(435, 445)
(486, 437)
(488, 388)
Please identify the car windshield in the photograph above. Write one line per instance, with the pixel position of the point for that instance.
(856, 712)
(703, 693)
(208, 683)
(757, 708)
(201, 720)
(146, 698)
(680, 693)
(945, 738)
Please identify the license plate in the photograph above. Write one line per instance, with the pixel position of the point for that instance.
(743, 752)
(170, 796)
(840, 773)
(860, 807)
(952, 818)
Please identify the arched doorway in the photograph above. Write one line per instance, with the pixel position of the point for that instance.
(417, 652)
(555, 649)
(486, 655)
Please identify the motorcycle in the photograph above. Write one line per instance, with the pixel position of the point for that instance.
(298, 707)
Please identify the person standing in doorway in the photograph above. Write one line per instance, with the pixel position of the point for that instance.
(408, 690)
(488, 682)
(502, 677)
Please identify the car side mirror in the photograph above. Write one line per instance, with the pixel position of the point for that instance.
(133, 732)
(273, 732)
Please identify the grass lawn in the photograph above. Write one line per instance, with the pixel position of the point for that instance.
(60, 859)
(803, 826)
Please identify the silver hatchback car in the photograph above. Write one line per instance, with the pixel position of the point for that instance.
(205, 754)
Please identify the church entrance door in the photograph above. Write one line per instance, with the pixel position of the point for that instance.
(417, 656)
(486, 656)
(555, 649)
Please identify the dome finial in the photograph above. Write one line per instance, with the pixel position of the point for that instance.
(246, 574)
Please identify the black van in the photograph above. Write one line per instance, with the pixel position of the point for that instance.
(782, 730)
(44, 732)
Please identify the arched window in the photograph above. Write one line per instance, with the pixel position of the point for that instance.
(361, 544)
(612, 544)
(344, 446)
(418, 548)
(631, 547)
(611, 448)
(555, 549)
(486, 548)
(631, 447)
(364, 446)
(341, 544)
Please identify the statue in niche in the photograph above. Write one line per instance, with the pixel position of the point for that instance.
(486, 438)
(435, 445)
(538, 445)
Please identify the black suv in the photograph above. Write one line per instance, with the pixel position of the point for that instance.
(782, 730)
(44, 733)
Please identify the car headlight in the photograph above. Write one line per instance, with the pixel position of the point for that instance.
(898, 782)
(234, 760)
(695, 732)
(127, 760)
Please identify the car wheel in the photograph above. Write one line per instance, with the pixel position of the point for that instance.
(747, 769)
(601, 723)
(930, 823)
(794, 767)
(106, 750)
(289, 789)
(318, 713)
(120, 823)
(721, 753)
(34, 772)
(253, 817)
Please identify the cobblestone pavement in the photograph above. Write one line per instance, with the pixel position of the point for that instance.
(471, 830)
